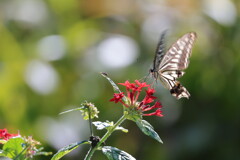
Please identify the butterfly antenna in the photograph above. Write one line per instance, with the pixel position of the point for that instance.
(90, 121)
(143, 79)
(146, 77)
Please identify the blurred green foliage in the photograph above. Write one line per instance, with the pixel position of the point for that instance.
(207, 126)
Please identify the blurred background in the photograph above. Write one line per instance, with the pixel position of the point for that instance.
(51, 53)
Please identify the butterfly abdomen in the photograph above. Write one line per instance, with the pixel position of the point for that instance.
(179, 91)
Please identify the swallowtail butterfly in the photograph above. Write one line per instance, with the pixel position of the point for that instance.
(169, 66)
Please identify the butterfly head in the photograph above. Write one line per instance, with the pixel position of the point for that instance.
(153, 72)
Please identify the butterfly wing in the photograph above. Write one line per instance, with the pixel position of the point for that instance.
(174, 62)
(159, 53)
(177, 57)
(175, 87)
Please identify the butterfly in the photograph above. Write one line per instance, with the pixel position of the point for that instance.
(169, 66)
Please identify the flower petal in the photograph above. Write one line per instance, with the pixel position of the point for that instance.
(117, 97)
(5, 135)
(150, 91)
(158, 113)
(128, 84)
(141, 85)
(148, 99)
(156, 105)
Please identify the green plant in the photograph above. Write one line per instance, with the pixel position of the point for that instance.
(133, 110)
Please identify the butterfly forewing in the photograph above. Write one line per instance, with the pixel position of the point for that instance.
(160, 52)
(170, 65)
(177, 57)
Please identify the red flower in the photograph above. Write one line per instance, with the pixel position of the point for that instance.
(3, 132)
(117, 97)
(141, 85)
(128, 84)
(5, 135)
(149, 98)
(158, 113)
(133, 92)
(150, 91)
(156, 105)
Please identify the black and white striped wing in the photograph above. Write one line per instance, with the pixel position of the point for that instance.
(174, 62)
(160, 52)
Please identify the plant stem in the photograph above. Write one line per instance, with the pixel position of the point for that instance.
(90, 121)
(104, 138)
(20, 153)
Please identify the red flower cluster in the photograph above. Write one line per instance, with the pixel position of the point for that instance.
(133, 92)
(5, 135)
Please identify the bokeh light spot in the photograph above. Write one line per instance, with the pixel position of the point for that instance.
(222, 11)
(52, 47)
(41, 77)
(30, 12)
(117, 51)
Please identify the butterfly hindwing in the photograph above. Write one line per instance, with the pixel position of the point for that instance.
(175, 88)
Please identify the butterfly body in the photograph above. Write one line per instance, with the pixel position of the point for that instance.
(168, 66)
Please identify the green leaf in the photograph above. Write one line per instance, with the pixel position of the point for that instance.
(113, 153)
(122, 129)
(14, 147)
(148, 129)
(65, 150)
(115, 87)
(107, 125)
(102, 125)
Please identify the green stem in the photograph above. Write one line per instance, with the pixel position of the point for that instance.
(20, 153)
(104, 138)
